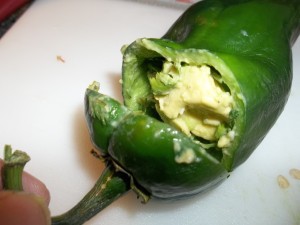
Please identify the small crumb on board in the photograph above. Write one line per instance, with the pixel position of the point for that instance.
(295, 173)
(282, 182)
(60, 59)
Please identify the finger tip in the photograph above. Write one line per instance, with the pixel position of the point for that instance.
(23, 208)
(33, 185)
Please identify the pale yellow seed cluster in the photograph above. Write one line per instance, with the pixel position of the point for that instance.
(188, 156)
(197, 105)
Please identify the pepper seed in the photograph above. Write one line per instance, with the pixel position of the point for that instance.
(295, 173)
(282, 182)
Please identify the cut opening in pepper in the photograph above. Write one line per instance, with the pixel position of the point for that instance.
(195, 100)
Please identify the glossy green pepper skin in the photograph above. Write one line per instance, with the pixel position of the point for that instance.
(248, 43)
(164, 161)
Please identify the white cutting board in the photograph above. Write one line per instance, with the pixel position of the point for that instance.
(41, 113)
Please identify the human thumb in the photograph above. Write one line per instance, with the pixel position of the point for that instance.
(18, 208)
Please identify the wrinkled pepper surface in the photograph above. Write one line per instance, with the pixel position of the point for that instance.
(197, 102)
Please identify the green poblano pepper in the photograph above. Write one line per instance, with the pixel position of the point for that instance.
(197, 102)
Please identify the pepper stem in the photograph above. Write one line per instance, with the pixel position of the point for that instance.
(111, 185)
(14, 163)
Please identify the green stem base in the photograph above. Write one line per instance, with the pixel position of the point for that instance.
(14, 163)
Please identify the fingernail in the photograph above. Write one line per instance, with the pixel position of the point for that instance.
(23, 208)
